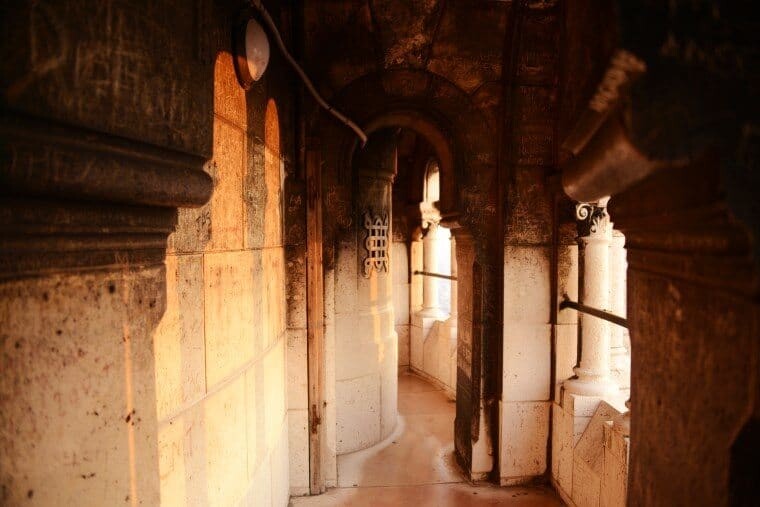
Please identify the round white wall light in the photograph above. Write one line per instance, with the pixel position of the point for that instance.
(251, 52)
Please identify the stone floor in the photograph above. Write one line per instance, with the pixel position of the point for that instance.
(415, 465)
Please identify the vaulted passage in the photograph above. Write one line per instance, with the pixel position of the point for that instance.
(379, 252)
(415, 464)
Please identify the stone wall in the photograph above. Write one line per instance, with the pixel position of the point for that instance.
(691, 225)
(418, 69)
(136, 371)
(530, 329)
(366, 344)
(220, 347)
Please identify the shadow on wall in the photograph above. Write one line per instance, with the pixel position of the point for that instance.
(220, 347)
(77, 391)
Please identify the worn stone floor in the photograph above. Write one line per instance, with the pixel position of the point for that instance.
(415, 465)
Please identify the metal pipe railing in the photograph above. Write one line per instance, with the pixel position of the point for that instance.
(436, 275)
(601, 314)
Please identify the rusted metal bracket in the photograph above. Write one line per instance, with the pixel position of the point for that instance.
(436, 275)
(601, 314)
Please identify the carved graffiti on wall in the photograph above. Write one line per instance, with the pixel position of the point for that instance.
(376, 243)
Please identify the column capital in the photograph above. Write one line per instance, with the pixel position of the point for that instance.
(592, 219)
(430, 215)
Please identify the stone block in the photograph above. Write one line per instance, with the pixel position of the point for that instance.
(615, 472)
(389, 401)
(260, 490)
(357, 413)
(298, 445)
(329, 291)
(232, 309)
(527, 362)
(345, 275)
(329, 363)
(524, 437)
(399, 264)
(295, 295)
(586, 485)
(616, 444)
(401, 303)
(416, 346)
(178, 341)
(297, 369)
(403, 344)
(567, 282)
(193, 230)
(353, 359)
(329, 461)
(330, 458)
(579, 405)
(226, 202)
(280, 467)
(256, 416)
(65, 397)
(272, 279)
(182, 454)
(229, 97)
(526, 285)
(254, 194)
(274, 376)
(224, 414)
(563, 443)
(452, 379)
(529, 205)
(430, 349)
(588, 458)
(274, 170)
(565, 355)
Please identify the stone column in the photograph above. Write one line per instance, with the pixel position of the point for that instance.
(620, 357)
(366, 343)
(594, 236)
(434, 241)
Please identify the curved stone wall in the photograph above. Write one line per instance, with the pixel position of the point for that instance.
(366, 362)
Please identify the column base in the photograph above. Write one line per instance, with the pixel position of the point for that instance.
(591, 387)
(433, 313)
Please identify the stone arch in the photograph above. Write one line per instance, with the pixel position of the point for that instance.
(434, 108)
(466, 147)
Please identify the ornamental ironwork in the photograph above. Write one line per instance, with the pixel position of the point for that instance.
(376, 243)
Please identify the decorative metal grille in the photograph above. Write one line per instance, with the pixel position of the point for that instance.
(376, 243)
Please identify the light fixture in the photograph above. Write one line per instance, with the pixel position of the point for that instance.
(252, 56)
(251, 52)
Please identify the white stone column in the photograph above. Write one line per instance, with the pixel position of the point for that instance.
(435, 239)
(620, 357)
(594, 236)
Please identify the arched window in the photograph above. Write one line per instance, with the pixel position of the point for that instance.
(432, 182)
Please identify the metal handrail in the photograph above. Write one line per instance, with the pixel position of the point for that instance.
(609, 317)
(437, 275)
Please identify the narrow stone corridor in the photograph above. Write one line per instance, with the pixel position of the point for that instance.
(415, 465)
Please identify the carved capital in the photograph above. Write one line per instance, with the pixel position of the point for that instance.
(592, 219)
(430, 214)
